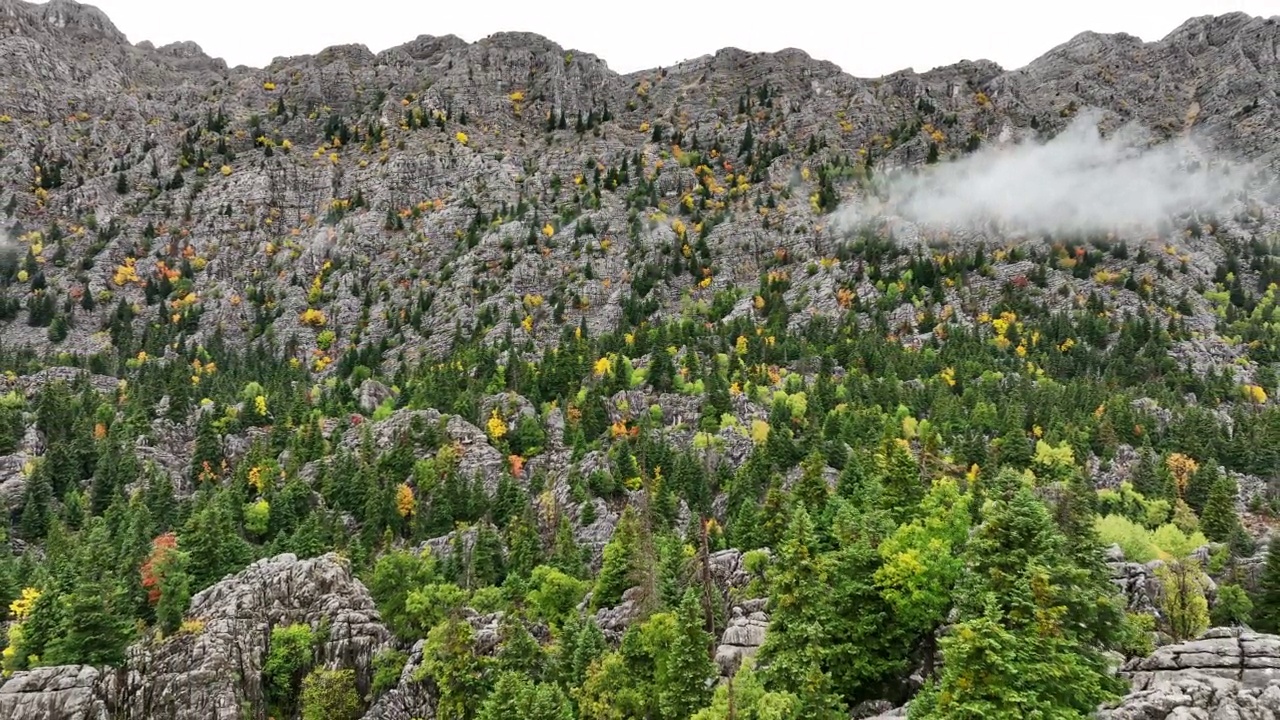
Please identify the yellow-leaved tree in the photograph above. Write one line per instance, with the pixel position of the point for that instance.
(406, 503)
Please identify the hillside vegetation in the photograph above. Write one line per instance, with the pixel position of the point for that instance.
(538, 350)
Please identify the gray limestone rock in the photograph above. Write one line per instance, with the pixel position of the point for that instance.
(742, 639)
(212, 669)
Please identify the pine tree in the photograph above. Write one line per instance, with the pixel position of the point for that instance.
(518, 651)
(93, 627)
(618, 571)
(1200, 486)
(1266, 604)
(1144, 475)
(515, 696)
(35, 504)
(524, 547)
(486, 557)
(794, 650)
(1219, 520)
(1029, 622)
(812, 487)
(661, 374)
(566, 555)
(213, 543)
(175, 590)
(684, 669)
(903, 488)
(207, 456)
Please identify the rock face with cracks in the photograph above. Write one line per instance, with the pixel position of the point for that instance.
(1225, 673)
(213, 670)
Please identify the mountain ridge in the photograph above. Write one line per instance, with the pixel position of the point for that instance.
(293, 360)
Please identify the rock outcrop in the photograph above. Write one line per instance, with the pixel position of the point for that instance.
(1225, 673)
(212, 669)
(742, 638)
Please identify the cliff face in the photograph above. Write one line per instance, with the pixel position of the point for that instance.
(482, 183)
(153, 155)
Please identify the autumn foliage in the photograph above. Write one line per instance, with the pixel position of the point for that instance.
(150, 579)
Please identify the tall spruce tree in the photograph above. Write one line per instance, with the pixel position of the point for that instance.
(1266, 603)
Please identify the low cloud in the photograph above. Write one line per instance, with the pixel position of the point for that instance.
(1076, 183)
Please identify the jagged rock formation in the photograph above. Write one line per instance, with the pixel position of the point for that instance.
(142, 119)
(213, 669)
(139, 138)
(443, 185)
(1225, 673)
(743, 636)
(1250, 658)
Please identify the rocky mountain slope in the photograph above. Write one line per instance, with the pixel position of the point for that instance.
(482, 174)
(513, 320)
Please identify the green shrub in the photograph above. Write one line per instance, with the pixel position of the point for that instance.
(1133, 539)
(388, 665)
(288, 658)
(1135, 634)
(330, 695)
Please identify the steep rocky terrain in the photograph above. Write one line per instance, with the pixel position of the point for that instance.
(385, 350)
(144, 161)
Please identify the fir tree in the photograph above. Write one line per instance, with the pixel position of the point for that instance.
(618, 571)
(795, 647)
(1266, 604)
(1200, 486)
(35, 503)
(486, 557)
(1219, 520)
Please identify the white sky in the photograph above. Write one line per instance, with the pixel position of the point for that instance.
(867, 38)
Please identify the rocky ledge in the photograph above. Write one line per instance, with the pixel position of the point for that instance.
(1225, 673)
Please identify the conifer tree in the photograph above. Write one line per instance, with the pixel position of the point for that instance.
(1266, 604)
(36, 512)
(1218, 519)
(795, 646)
(175, 590)
(1025, 642)
(812, 487)
(618, 571)
(684, 669)
(1200, 485)
(486, 557)
(213, 543)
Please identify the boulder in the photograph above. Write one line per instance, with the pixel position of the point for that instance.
(741, 639)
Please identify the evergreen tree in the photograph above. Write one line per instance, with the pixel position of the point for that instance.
(213, 543)
(93, 627)
(1029, 622)
(35, 503)
(796, 644)
(514, 695)
(683, 669)
(1144, 475)
(486, 557)
(1200, 485)
(618, 569)
(175, 590)
(207, 456)
(1266, 604)
(1219, 520)
(812, 487)
(903, 488)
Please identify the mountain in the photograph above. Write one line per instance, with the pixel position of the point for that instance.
(343, 363)
(99, 116)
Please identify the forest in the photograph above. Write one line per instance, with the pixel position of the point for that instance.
(925, 522)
